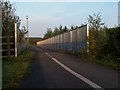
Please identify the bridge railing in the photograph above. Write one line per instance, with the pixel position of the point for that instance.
(74, 41)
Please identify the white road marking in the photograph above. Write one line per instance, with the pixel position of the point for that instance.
(50, 56)
(46, 53)
(92, 84)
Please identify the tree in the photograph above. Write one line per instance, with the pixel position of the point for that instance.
(48, 34)
(72, 27)
(60, 29)
(8, 20)
(21, 34)
(113, 42)
(65, 29)
(56, 31)
(97, 34)
(95, 21)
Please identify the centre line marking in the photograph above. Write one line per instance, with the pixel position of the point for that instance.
(92, 84)
(46, 53)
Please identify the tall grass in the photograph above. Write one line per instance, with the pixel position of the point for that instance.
(15, 69)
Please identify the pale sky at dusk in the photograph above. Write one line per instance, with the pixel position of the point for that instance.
(43, 15)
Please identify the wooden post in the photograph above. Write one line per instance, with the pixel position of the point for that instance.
(0, 33)
(15, 40)
(0, 46)
(88, 38)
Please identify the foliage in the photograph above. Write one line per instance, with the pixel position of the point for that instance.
(95, 21)
(97, 40)
(16, 69)
(97, 34)
(104, 42)
(65, 29)
(48, 34)
(57, 31)
(8, 18)
(72, 28)
(21, 34)
(113, 41)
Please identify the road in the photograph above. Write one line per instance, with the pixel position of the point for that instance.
(52, 69)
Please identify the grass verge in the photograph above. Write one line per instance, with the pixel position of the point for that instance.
(111, 62)
(15, 69)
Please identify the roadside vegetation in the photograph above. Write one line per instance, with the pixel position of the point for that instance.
(16, 69)
(104, 42)
(13, 69)
(9, 18)
(106, 61)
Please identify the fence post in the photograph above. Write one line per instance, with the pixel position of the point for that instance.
(88, 38)
(0, 46)
(15, 40)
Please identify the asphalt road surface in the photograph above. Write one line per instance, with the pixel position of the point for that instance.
(57, 70)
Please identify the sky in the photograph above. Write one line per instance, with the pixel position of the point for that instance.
(43, 15)
(119, 13)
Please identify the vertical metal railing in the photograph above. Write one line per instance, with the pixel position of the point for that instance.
(74, 41)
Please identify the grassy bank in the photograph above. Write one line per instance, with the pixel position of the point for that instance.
(15, 69)
(106, 61)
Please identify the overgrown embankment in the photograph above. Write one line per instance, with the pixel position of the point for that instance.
(15, 69)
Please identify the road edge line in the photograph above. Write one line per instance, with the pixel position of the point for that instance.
(89, 82)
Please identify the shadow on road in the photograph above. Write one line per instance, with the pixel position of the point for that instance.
(36, 77)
